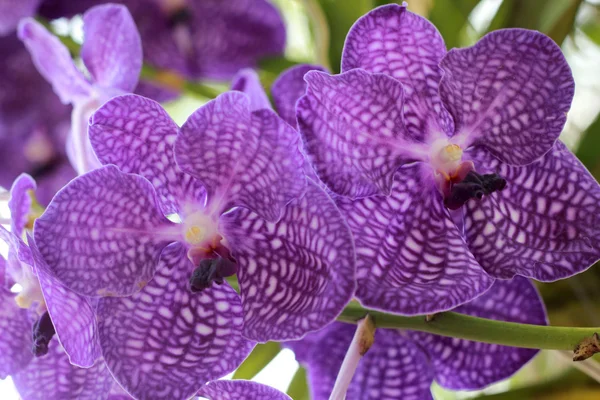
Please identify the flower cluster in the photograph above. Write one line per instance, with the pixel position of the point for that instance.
(416, 181)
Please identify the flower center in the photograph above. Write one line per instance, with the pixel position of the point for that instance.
(43, 330)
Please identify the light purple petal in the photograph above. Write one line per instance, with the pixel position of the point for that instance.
(354, 132)
(543, 225)
(51, 377)
(393, 41)
(54, 62)
(3, 280)
(510, 93)
(118, 393)
(19, 203)
(19, 255)
(247, 81)
(15, 335)
(411, 258)
(112, 49)
(295, 275)
(137, 135)
(72, 315)
(288, 88)
(166, 342)
(242, 158)
(240, 389)
(11, 12)
(463, 364)
(103, 233)
(393, 368)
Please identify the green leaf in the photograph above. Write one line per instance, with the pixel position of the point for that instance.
(298, 389)
(262, 355)
(588, 148)
(451, 17)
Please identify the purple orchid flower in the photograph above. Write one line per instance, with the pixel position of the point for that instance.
(240, 389)
(229, 175)
(112, 54)
(402, 364)
(449, 162)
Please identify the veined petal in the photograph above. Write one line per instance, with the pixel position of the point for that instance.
(72, 315)
(52, 377)
(242, 158)
(288, 88)
(112, 49)
(19, 203)
(510, 93)
(462, 364)
(240, 389)
(15, 335)
(12, 11)
(353, 131)
(103, 233)
(54, 62)
(411, 258)
(296, 275)
(393, 41)
(543, 225)
(138, 135)
(166, 342)
(247, 81)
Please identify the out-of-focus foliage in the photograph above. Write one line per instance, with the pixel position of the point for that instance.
(262, 355)
(298, 389)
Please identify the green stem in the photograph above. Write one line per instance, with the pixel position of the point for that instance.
(478, 329)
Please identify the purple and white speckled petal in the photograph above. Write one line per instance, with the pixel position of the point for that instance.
(242, 158)
(15, 335)
(51, 377)
(103, 233)
(240, 389)
(295, 275)
(393, 41)
(462, 364)
(288, 88)
(247, 81)
(166, 342)
(137, 135)
(19, 203)
(354, 131)
(510, 93)
(543, 225)
(54, 62)
(12, 11)
(112, 49)
(411, 258)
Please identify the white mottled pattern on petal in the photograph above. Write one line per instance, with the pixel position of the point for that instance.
(295, 275)
(393, 41)
(166, 342)
(240, 389)
(510, 92)
(51, 377)
(411, 258)
(354, 132)
(138, 136)
(242, 158)
(19, 203)
(544, 225)
(15, 335)
(103, 233)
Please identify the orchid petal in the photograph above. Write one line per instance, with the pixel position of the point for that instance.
(15, 335)
(240, 389)
(11, 12)
(103, 233)
(247, 81)
(19, 203)
(510, 93)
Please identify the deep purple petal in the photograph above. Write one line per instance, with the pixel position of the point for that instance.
(393, 41)
(295, 275)
(166, 342)
(411, 258)
(51, 377)
(19, 203)
(510, 93)
(15, 335)
(247, 81)
(137, 135)
(240, 389)
(112, 49)
(288, 88)
(118, 393)
(543, 225)
(354, 132)
(54, 62)
(11, 12)
(463, 364)
(242, 158)
(72, 315)
(102, 234)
